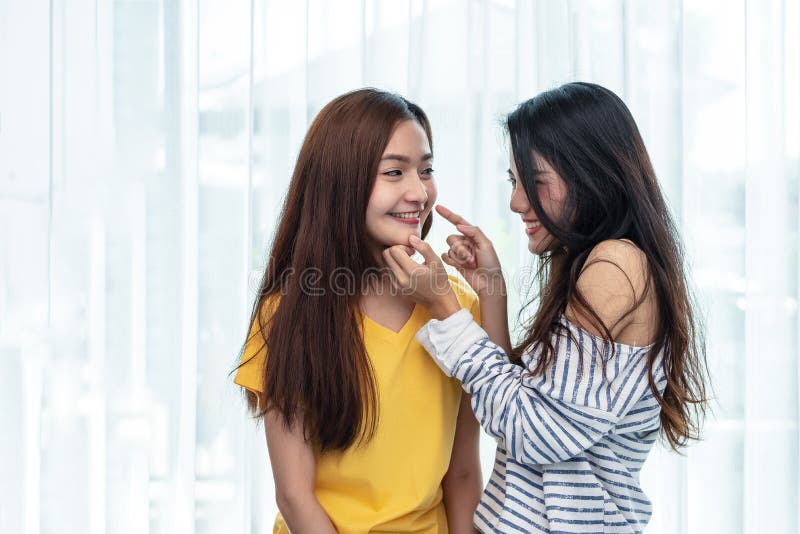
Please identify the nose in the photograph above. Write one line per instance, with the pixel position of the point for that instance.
(519, 200)
(417, 192)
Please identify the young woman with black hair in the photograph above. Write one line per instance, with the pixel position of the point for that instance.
(613, 355)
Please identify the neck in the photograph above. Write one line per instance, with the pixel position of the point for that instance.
(381, 292)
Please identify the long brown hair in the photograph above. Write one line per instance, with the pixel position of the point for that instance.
(587, 134)
(317, 367)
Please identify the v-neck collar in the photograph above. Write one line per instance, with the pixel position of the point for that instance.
(388, 333)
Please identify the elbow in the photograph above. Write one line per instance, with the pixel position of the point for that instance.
(291, 502)
(285, 502)
(463, 480)
(533, 450)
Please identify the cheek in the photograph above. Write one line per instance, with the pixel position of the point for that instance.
(430, 188)
(558, 194)
(380, 201)
(552, 201)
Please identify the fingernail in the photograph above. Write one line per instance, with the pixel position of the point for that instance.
(414, 238)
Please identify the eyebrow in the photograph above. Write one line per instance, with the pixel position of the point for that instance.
(405, 159)
(536, 172)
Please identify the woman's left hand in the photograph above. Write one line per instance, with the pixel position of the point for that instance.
(426, 283)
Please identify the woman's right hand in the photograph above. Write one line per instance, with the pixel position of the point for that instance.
(473, 255)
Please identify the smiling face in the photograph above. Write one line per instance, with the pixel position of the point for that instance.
(404, 189)
(552, 191)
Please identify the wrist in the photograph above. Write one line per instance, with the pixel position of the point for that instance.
(444, 307)
(494, 286)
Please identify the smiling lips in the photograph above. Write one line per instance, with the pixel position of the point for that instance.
(531, 226)
(408, 217)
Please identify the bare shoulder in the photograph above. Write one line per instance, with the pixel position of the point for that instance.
(614, 282)
(618, 263)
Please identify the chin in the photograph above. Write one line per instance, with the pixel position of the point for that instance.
(532, 249)
(403, 239)
(537, 247)
(403, 235)
(391, 239)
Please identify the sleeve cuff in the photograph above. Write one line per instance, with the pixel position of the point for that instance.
(447, 340)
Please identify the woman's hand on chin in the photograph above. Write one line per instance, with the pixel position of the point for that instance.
(426, 283)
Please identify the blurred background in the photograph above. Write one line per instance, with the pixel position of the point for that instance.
(146, 145)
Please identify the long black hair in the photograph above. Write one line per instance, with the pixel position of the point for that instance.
(589, 137)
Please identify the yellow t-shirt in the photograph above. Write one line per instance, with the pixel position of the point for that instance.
(393, 483)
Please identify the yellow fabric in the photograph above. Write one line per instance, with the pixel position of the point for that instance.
(393, 483)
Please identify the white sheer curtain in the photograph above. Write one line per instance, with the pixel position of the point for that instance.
(145, 146)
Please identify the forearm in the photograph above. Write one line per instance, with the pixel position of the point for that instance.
(494, 313)
(461, 493)
(533, 415)
(303, 514)
(294, 471)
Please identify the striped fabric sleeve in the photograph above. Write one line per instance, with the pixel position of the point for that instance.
(542, 419)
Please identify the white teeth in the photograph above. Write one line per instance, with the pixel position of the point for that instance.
(536, 224)
(407, 215)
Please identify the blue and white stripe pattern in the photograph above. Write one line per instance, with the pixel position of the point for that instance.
(570, 443)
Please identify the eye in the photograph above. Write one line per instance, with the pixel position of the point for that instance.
(512, 181)
(537, 178)
(428, 172)
(393, 173)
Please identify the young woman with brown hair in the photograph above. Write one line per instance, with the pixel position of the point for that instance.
(365, 433)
